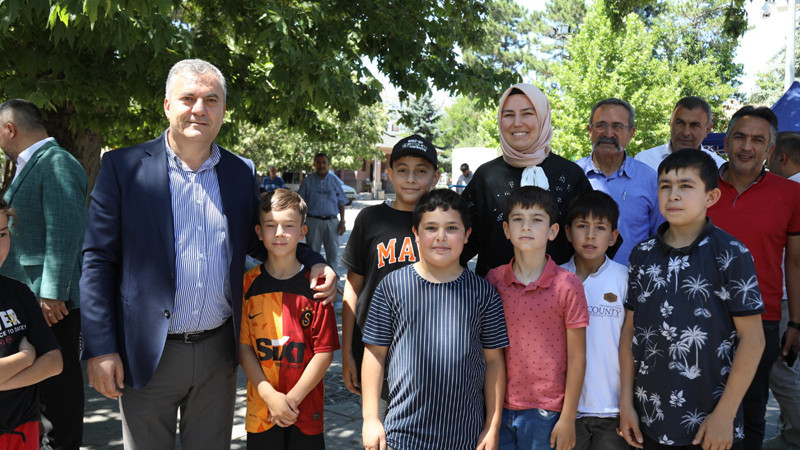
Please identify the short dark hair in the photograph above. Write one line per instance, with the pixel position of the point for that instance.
(529, 197)
(322, 155)
(694, 102)
(618, 102)
(596, 204)
(762, 112)
(22, 113)
(464, 167)
(283, 199)
(692, 158)
(788, 143)
(443, 199)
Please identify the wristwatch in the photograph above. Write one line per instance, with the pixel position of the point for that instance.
(794, 325)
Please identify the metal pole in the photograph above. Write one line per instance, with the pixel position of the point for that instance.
(789, 69)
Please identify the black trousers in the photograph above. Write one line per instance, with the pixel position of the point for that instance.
(61, 396)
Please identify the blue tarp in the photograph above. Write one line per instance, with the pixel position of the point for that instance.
(787, 108)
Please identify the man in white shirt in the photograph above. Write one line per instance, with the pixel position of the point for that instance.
(464, 178)
(784, 380)
(689, 125)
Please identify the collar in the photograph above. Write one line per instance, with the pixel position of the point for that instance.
(570, 265)
(666, 248)
(795, 177)
(592, 167)
(758, 179)
(26, 154)
(209, 163)
(544, 280)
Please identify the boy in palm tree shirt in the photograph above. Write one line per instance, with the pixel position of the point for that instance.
(692, 336)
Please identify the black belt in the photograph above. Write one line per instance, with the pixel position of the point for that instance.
(195, 336)
(322, 217)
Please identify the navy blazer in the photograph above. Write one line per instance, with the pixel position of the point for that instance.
(128, 281)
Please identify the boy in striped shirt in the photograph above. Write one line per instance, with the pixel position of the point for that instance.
(441, 329)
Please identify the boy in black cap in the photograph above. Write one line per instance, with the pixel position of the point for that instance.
(381, 242)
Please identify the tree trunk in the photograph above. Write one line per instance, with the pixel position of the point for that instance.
(85, 145)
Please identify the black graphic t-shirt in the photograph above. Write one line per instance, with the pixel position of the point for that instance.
(380, 243)
(21, 316)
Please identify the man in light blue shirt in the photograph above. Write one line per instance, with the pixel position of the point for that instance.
(631, 183)
(325, 199)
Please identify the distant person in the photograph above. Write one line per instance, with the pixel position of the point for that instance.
(545, 310)
(692, 336)
(49, 194)
(523, 119)
(438, 332)
(464, 178)
(762, 210)
(29, 354)
(784, 381)
(690, 124)
(325, 198)
(629, 182)
(287, 339)
(272, 181)
(382, 241)
(592, 229)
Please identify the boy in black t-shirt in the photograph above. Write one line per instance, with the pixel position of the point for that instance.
(381, 242)
(28, 354)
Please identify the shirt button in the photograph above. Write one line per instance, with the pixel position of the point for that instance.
(200, 284)
(166, 313)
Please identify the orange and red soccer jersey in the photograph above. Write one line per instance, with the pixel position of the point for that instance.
(285, 327)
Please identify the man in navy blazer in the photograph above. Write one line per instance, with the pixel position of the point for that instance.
(169, 225)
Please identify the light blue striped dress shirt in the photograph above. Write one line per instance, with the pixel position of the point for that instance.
(202, 295)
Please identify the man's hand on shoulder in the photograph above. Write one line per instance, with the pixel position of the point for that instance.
(53, 310)
(106, 374)
(325, 292)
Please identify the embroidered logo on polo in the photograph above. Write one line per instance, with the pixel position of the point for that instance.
(306, 317)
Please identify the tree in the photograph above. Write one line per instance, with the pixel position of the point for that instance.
(630, 64)
(466, 124)
(105, 62)
(291, 149)
(421, 117)
(733, 26)
(769, 83)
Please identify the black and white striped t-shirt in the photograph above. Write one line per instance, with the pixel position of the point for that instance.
(436, 333)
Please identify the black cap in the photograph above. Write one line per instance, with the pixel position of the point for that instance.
(415, 145)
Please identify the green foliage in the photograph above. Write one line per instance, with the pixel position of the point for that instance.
(562, 20)
(291, 149)
(466, 124)
(733, 26)
(421, 117)
(769, 83)
(98, 67)
(631, 64)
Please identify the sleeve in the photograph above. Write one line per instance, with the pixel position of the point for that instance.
(279, 181)
(472, 199)
(656, 219)
(576, 312)
(102, 250)
(493, 322)
(325, 334)
(794, 222)
(354, 252)
(379, 330)
(64, 206)
(244, 333)
(303, 189)
(634, 290)
(37, 331)
(341, 199)
(741, 283)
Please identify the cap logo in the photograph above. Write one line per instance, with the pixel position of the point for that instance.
(415, 144)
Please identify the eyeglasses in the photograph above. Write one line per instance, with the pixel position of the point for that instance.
(603, 126)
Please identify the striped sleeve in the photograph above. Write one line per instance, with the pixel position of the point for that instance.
(378, 329)
(493, 325)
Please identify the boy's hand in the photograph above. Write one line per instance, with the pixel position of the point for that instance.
(715, 433)
(349, 372)
(28, 351)
(629, 426)
(325, 292)
(489, 439)
(281, 412)
(563, 435)
(373, 435)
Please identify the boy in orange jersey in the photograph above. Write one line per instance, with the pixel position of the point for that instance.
(287, 339)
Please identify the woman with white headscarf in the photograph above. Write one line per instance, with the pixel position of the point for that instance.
(525, 133)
